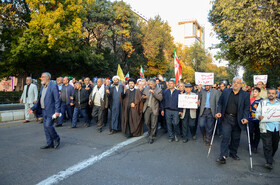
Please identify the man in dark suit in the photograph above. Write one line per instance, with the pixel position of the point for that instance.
(233, 109)
(50, 104)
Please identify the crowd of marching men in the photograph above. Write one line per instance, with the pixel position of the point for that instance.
(130, 106)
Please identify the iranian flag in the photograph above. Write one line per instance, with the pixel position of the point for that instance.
(127, 76)
(178, 68)
(142, 72)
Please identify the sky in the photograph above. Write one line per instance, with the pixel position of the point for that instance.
(174, 11)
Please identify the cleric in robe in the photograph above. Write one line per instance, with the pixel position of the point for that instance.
(132, 107)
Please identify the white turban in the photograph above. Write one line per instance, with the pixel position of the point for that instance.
(116, 77)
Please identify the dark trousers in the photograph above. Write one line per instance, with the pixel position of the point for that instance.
(105, 118)
(231, 136)
(270, 145)
(50, 132)
(206, 124)
(254, 129)
(151, 122)
(172, 122)
(98, 114)
(77, 112)
(65, 108)
(188, 124)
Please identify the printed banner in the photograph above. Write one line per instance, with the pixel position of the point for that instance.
(187, 101)
(271, 113)
(260, 78)
(204, 78)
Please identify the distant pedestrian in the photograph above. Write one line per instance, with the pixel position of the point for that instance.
(29, 97)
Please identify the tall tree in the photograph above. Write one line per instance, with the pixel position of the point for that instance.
(249, 31)
(158, 45)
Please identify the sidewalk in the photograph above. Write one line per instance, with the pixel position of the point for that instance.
(12, 112)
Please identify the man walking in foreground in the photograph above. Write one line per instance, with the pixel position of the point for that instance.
(50, 104)
(233, 109)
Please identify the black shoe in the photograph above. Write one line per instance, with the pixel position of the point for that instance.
(46, 147)
(185, 140)
(56, 144)
(255, 150)
(234, 156)
(151, 141)
(221, 160)
(268, 166)
(207, 143)
(60, 125)
(99, 130)
(73, 127)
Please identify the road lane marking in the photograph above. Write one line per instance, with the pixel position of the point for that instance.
(86, 163)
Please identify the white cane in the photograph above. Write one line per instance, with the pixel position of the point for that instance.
(250, 152)
(212, 138)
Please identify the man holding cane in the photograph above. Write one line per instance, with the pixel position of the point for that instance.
(233, 109)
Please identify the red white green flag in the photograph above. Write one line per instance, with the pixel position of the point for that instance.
(127, 76)
(142, 72)
(178, 68)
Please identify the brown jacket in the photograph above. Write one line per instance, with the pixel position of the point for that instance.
(156, 98)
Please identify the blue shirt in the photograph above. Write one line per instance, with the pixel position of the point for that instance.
(207, 104)
(272, 126)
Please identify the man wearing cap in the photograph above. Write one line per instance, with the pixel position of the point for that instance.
(132, 107)
(188, 117)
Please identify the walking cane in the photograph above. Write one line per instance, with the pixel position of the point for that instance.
(212, 138)
(250, 152)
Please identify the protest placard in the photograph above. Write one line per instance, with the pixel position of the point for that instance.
(187, 101)
(204, 78)
(271, 113)
(260, 78)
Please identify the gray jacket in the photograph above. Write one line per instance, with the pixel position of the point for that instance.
(214, 98)
(156, 98)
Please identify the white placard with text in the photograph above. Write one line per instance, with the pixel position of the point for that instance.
(260, 78)
(271, 113)
(204, 78)
(187, 101)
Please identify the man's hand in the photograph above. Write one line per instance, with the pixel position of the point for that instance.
(56, 114)
(218, 115)
(180, 113)
(198, 102)
(151, 91)
(35, 101)
(144, 96)
(71, 97)
(132, 105)
(261, 117)
(30, 111)
(199, 87)
(244, 121)
(20, 101)
(71, 104)
(89, 102)
(162, 113)
(107, 91)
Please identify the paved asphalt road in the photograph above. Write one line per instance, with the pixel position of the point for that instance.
(22, 162)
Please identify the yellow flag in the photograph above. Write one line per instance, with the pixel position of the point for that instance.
(120, 73)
